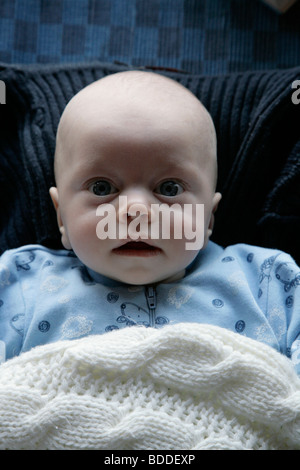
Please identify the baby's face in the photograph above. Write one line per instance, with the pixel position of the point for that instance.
(140, 156)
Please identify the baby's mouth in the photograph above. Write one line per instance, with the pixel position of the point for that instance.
(137, 248)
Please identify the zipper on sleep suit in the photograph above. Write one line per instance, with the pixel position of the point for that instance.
(151, 302)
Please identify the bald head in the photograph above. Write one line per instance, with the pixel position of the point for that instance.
(134, 101)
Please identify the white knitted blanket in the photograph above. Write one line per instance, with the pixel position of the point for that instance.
(184, 386)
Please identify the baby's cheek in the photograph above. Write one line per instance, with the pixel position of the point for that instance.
(82, 229)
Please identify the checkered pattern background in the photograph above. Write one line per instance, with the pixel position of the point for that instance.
(197, 36)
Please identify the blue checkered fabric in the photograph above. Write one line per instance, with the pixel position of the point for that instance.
(197, 36)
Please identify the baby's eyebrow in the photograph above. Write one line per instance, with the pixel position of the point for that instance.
(93, 165)
(182, 167)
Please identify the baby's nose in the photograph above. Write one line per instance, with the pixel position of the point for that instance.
(134, 216)
(133, 205)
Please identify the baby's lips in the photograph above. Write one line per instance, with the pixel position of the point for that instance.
(136, 244)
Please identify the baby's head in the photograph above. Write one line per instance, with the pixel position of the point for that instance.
(134, 141)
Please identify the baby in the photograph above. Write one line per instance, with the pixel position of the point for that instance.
(127, 145)
(143, 137)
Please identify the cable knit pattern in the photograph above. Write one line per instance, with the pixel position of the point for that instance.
(185, 386)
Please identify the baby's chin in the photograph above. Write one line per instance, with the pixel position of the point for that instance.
(135, 280)
(140, 279)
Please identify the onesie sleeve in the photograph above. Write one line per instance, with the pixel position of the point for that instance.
(12, 308)
(284, 306)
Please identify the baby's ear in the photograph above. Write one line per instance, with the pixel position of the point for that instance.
(54, 196)
(64, 238)
(215, 202)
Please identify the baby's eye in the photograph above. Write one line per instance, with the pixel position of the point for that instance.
(102, 188)
(170, 188)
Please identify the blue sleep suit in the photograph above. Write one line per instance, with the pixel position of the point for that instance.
(49, 295)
